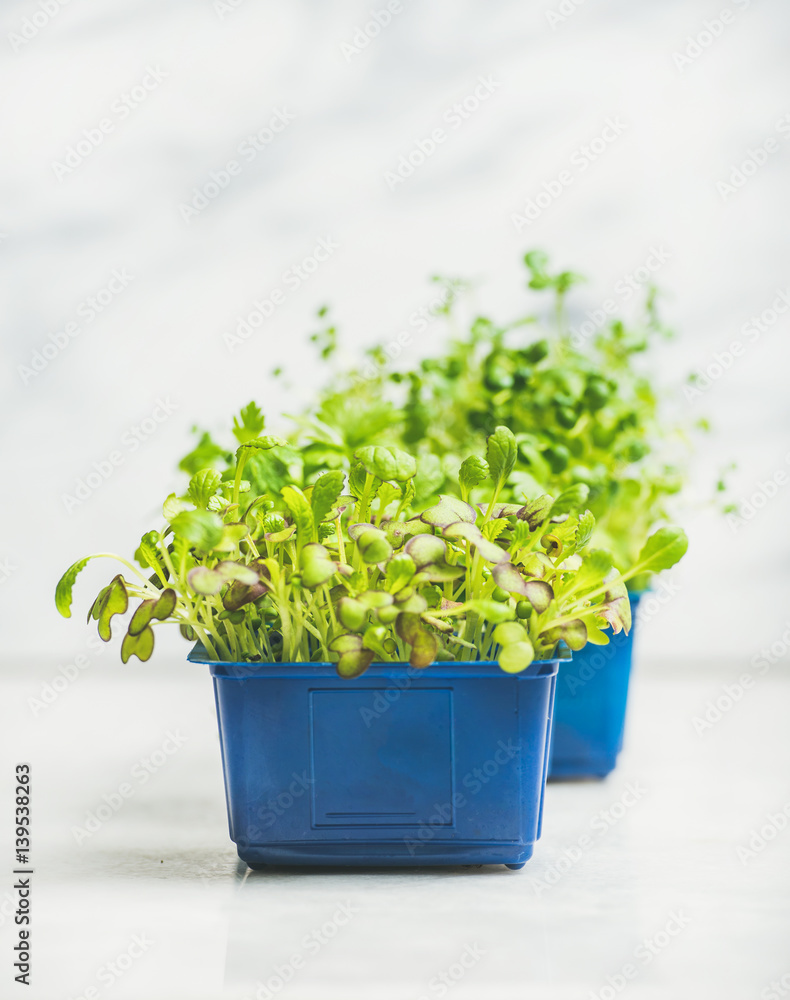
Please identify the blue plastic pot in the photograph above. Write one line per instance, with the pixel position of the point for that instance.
(442, 766)
(590, 707)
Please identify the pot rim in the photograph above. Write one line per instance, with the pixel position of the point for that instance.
(248, 670)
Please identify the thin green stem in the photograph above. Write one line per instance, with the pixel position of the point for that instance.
(241, 461)
(149, 589)
(207, 643)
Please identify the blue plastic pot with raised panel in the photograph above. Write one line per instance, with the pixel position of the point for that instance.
(441, 766)
(590, 707)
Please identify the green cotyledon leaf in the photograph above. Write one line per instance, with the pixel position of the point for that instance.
(352, 614)
(516, 656)
(424, 644)
(173, 506)
(400, 569)
(373, 545)
(509, 632)
(425, 549)
(574, 633)
(316, 565)
(160, 608)
(113, 600)
(569, 500)
(489, 550)
(140, 645)
(353, 659)
(538, 592)
(448, 511)
(387, 463)
(200, 527)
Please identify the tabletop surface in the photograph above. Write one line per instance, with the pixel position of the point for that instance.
(670, 878)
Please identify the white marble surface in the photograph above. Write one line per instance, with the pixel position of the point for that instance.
(162, 868)
(324, 175)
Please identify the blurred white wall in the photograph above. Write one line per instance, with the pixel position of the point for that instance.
(153, 98)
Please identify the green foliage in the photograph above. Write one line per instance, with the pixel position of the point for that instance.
(380, 533)
(387, 463)
(248, 424)
(200, 527)
(501, 456)
(473, 471)
(309, 572)
(66, 585)
(324, 494)
(326, 339)
(112, 600)
(203, 486)
(661, 551)
(206, 454)
(580, 411)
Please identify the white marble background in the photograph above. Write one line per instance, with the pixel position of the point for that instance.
(163, 865)
(222, 70)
